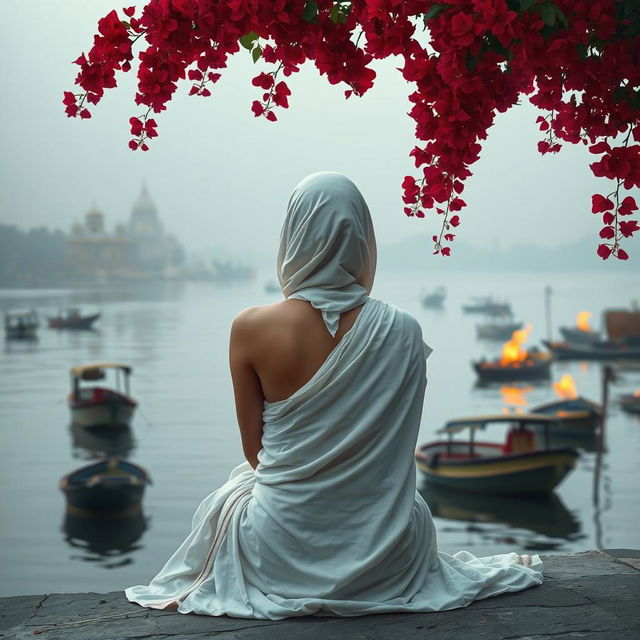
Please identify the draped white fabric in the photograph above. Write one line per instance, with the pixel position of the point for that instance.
(330, 522)
(327, 252)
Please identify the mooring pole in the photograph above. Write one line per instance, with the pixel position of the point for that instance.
(547, 305)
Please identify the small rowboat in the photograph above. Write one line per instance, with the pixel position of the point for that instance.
(601, 350)
(536, 366)
(435, 299)
(72, 319)
(516, 467)
(574, 418)
(98, 406)
(111, 485)
(630, 402)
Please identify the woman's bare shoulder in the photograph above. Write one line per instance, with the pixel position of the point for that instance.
(255, 320)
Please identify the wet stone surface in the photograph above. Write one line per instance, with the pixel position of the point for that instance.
(586, 595)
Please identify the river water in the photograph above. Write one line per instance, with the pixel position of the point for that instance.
(174, 335)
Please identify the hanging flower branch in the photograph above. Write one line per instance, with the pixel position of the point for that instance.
(577, 60)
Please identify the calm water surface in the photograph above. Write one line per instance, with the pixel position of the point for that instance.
(184, 433)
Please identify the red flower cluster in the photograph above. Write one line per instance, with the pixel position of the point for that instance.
(577, 60)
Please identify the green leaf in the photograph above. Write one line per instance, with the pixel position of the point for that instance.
(561, 17)
(310, 11)
(435, 10)
(256, 53)
(525, 5)
(548, 14)
(248, 39)
(336, 15)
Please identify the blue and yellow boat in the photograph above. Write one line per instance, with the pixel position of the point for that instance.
(523, 464)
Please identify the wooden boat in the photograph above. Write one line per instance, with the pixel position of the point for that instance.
(487, 305)
(435, 299)
(601, 350)
(574, 418)
(111, 485)
(579, 336)
(518, 466)
(21, 323)
(71, 318)
(537, 366)
(630, 402)
(98, 406)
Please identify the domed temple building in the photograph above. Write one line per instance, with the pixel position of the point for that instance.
(138, 248)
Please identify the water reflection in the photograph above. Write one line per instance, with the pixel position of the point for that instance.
(100, 442)
(545, 515)
(107, 541)
(20, 345)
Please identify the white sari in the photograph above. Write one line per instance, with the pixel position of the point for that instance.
(330, 522)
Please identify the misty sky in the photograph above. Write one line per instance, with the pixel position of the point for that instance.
(221, 177)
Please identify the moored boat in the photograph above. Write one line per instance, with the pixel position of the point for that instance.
(487, 305)
(521, 465)
(576, 417)
(500, 329)
(110, 485)
(72, 318)
(630, 402)
(98, 406)
(600, 350)
(515, 363)
(21, 323)
(435, 299)
(582, 333)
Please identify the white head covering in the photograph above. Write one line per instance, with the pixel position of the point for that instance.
(327, 252)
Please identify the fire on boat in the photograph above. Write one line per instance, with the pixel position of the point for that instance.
(516, 362)
(575, 416)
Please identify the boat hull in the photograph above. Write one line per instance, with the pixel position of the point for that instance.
(115, 414)
(573, 334)
(536, 371)
(593, 351)
(76, 323)
(532, 473)
(108, 486)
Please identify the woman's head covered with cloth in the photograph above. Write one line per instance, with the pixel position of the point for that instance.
(327, 252)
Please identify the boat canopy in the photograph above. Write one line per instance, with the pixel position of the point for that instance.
(480, 422)
(82, 369)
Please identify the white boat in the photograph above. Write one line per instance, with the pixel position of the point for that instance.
(21, 323)
(98, 406)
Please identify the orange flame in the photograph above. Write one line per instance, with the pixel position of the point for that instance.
(566, 388)
(636, 394)
(512, 350)
(583, 320)
(515, 396)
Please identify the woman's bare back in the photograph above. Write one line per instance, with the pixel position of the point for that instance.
(289, 343)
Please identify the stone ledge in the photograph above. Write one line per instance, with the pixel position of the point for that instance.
(590, 595)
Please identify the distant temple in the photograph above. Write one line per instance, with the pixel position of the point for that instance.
(137, 249)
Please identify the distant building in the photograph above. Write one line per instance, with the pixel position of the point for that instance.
(136, 249)
(92, 250)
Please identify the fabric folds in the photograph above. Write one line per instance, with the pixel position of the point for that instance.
(327, 252)
(330, 522)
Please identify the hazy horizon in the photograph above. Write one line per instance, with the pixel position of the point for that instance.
(221, 177)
